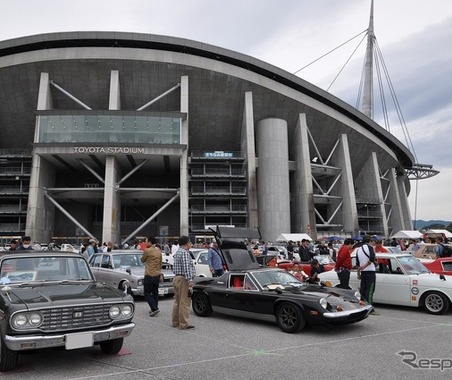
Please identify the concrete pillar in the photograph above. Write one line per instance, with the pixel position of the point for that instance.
(368, 185)
(112, 204)
(407, 221)
(115, 93)
(248, 148)
(44, 95)
(184, 225)
(396, 219)
(349, 210)
(273, 178)
(303, 199)
(40, 211)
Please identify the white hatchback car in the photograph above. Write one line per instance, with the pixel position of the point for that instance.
(403, 280)
(201, 262)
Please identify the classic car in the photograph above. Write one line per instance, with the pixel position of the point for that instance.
(270, 294)
(442, 265)
(120, 266)
(51, 299)
(403, 280)
(304, 266)
(200, 259)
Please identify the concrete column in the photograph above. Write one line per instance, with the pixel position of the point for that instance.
(248, 147)
(44, 95)
(349, 210)
(407, 221)
(396, 219)
(184, 225)
(40, 211)
(303, 199)
(368, 184)
(112, 204)
(115, 93)
(273, 178)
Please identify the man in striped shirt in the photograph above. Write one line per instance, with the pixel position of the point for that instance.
(184, 271)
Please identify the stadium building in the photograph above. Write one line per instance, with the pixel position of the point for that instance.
(117, 135)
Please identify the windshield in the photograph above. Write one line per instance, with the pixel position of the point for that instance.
(128, 260)
(412, 265)
(276, 277)
(24, 269)
(324, 259)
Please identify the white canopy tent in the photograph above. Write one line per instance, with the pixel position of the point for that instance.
(446, 233)
(407, 234)
(293, 237)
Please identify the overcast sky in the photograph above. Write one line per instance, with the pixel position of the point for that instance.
(414, 37)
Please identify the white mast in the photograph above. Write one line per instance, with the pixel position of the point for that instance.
(367, 100)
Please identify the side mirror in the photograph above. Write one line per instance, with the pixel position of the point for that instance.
(442, 278)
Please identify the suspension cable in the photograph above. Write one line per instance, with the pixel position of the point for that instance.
(324, 55)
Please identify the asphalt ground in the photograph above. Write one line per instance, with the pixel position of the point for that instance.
(222, 347)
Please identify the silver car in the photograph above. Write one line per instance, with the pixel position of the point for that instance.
(116, 267)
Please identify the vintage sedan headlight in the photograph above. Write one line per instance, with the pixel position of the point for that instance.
(358, 295)
(22, 321)
(122, 311)
(127, 310)
(114, 312)
(323, 302)
(140, 282)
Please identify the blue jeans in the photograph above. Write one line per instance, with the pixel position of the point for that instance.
(151, 291)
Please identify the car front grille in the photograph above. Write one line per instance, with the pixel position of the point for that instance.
(75, 317)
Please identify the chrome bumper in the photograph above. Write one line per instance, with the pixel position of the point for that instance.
(346, 313)
(32, 342)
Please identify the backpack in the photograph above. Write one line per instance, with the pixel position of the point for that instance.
(446, 252)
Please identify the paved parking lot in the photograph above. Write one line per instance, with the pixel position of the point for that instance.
(230, 348)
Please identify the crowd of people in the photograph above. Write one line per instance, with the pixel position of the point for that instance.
(183, 266)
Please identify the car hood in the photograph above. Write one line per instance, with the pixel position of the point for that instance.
(55, 294)
(135, 271)
(324, 292)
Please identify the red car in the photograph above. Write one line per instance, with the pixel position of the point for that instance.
(442, 265)
(304, 266)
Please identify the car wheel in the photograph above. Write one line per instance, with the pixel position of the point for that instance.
(435, 303)
(8, 358)
(201, 305)
(290, 318)
(111, 347)
(129, 289)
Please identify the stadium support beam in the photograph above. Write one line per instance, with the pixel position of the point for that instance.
(132, 171)
(158, 97)
(69, 95)
(70, 217)
(151, 218)
(93, 172)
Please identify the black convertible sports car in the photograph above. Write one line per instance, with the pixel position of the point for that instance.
(270, 294)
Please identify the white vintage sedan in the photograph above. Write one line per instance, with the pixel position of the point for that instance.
(403, 280)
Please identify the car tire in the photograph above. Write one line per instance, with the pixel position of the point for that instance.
(290, 317)
(435, 303)
(121, 287)
(111, 347)
(8, 358)
(201, 304)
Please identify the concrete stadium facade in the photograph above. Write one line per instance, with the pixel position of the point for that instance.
(119, 135)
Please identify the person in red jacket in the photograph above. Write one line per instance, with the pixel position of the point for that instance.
(344, 263)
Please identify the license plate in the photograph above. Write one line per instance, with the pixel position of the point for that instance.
(79, 340)
(163, 291)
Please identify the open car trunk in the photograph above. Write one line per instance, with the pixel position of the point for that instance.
(235, 247)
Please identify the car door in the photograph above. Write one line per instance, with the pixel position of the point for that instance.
(393, 284)
(246, 297)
